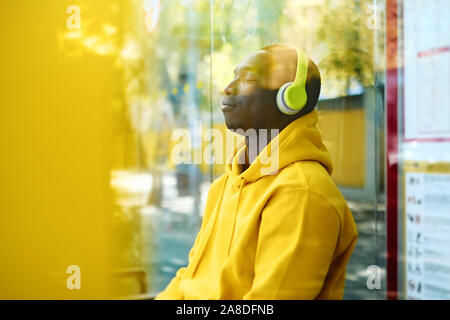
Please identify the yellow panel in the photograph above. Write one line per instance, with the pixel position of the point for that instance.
(344, 136)
(58, 94)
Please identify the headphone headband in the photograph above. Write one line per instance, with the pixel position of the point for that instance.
(302, 68)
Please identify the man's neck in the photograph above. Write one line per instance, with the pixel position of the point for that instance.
(261, 143)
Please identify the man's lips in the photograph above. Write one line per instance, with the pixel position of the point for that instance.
(228, 104)
(227, 107)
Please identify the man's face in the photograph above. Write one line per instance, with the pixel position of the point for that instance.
(245, 105)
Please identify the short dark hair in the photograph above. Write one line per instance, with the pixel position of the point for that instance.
(312, 86)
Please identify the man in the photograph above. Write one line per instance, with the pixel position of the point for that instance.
(284, 235)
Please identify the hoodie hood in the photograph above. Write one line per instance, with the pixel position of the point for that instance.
(300, 140)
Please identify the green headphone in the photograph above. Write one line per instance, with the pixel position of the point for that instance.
(292, 97)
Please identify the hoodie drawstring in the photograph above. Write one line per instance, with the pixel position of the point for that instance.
(241, 185)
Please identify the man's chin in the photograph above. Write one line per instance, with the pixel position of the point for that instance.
(231, 125)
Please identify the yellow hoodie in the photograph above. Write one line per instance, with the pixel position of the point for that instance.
(283, 236)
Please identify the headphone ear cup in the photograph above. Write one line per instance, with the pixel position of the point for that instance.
(281, 103)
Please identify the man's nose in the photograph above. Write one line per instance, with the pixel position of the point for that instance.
(230, 88)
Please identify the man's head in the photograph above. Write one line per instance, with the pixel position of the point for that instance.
(250, 98)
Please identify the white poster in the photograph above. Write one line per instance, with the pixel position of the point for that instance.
(427, 235)
(426, 70)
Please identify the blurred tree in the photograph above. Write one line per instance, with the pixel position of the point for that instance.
(344, 29)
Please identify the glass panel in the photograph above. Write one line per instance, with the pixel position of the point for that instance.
(178, 62)
(346, 40)
(166, 90)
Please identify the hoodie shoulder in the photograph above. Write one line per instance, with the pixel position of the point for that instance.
(300, 175)
(310, 175)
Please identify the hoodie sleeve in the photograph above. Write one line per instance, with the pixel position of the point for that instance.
(171, 292)
(297, 239)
